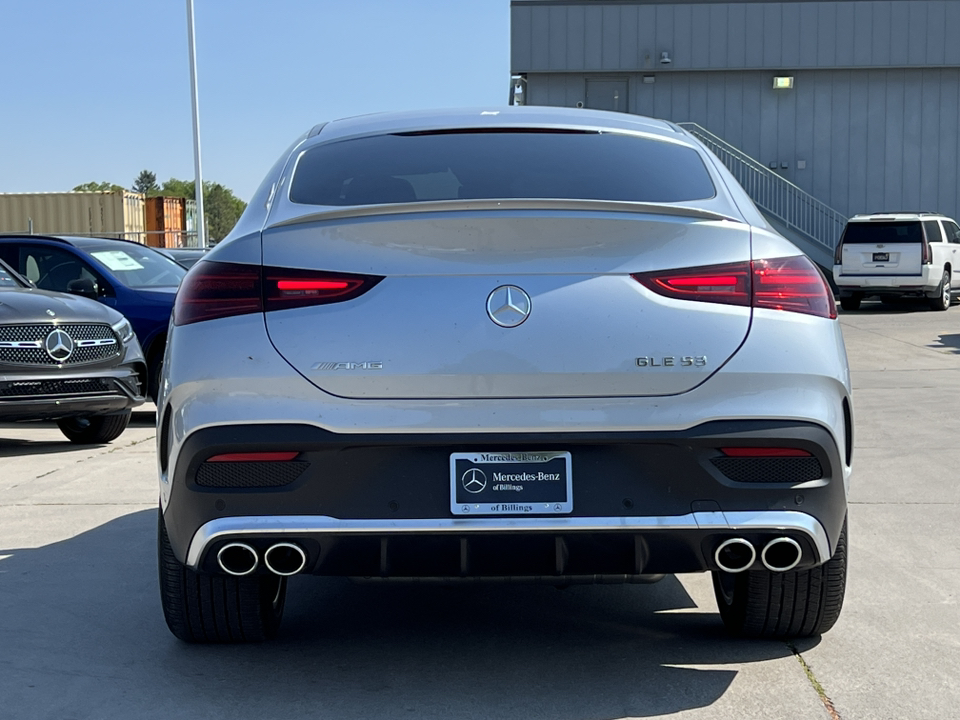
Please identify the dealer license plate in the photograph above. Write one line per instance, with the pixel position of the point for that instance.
(511, 483)
(881, 257)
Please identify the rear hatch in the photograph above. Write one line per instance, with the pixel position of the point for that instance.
(427, 329)
(882, 247)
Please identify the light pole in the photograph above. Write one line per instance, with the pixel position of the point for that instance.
(198, 175)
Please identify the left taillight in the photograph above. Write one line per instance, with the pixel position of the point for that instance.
(794, 284)
(214, 290)
(217, 290)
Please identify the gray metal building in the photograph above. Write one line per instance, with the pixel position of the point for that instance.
(871, 122)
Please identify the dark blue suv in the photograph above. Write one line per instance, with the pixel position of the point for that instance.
(134, 279)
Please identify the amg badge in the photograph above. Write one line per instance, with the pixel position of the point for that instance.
(370, 365)
(672, 361)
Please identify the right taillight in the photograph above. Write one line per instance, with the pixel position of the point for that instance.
(794, 284)
(927, 252)
(214, 290)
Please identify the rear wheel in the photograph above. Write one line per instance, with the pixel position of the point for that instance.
(942, 300)
(202, 608)
(850, 303)
(94, 429)
(798, 603)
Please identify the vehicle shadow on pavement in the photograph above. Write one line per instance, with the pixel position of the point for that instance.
(952, 342)
(83, 637)
(895, 306)
(18, 446)
(14, 447)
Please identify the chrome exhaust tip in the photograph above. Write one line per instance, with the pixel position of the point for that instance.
(781, 554)
(735, 555)
(285, 559)
(237, 559)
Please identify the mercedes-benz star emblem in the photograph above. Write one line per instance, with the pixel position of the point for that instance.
(474, 480)
(58, 345)
(508, 306)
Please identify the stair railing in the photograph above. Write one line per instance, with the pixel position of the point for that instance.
(794, 207)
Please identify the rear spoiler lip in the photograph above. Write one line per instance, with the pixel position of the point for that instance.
(435, 206)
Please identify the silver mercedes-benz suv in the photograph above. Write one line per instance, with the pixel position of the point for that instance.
(528, 343)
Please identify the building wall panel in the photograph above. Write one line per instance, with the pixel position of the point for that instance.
(917, 36)
(936, 39)
(808, 27)
(737, 36)
(872, 140)
(539, 41)
(557, 37)
(593, 37)
(646, 50)
(951, 46)
(557, 41)
(576, 30)
(947, 150)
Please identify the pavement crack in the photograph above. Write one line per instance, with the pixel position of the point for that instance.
(824, 698)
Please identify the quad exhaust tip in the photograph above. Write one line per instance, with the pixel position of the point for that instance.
(237, 559)
(735, 555)
(285, 559)
(781, 554)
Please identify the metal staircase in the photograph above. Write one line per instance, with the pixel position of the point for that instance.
(779, 199)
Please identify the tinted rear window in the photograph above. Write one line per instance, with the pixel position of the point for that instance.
(492, 165)
(883, 232)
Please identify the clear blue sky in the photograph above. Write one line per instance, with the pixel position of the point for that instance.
(98, 90)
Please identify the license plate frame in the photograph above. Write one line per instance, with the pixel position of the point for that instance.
(494, 489)
(881, 257)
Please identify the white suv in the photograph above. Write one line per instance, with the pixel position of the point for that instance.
(897, 254)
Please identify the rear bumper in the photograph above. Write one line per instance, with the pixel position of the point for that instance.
(379, 505)
(926, 282)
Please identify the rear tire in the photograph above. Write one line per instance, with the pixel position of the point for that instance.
(795, 604)
(203, 608)
(942, 301)
(850, 303)
(94, 429)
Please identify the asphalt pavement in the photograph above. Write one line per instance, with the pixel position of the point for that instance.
(82, 635)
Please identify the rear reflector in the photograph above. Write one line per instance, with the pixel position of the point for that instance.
(254, 457)
(763, 452)
(214, 290)
(792, 283)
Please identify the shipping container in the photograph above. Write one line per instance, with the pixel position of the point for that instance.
(166, 217)
(117, 214)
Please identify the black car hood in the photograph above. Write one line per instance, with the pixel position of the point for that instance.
(29, 305)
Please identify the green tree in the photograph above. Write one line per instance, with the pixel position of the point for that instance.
(146, 183)
(98, 187)
(220, 205)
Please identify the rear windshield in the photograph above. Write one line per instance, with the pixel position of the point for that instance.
(883, 232)
(419, 167)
